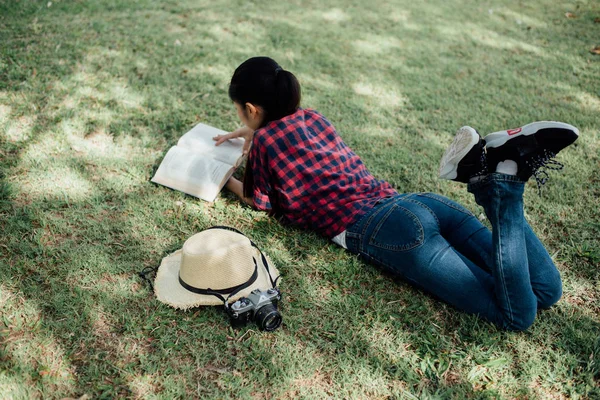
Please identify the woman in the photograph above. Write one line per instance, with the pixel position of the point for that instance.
(300, 170)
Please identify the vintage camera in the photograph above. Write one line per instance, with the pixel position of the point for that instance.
(260, 306)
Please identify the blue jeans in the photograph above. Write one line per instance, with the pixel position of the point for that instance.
(504, 275)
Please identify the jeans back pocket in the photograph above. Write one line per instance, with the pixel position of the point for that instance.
(397, 229)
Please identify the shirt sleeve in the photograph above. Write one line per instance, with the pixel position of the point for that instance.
(259, 165)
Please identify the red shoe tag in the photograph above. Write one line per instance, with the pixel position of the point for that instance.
(513, 131)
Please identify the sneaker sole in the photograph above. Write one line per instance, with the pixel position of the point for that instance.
(497, 139)
(464, 140)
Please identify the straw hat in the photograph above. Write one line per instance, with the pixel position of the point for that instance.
(217, 259)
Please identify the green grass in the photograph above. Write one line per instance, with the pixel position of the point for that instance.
(92, 93)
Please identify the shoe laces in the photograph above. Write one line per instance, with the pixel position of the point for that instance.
(483, 164)
(539, 166)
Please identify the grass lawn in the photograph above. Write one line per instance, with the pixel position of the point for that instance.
(92, 94)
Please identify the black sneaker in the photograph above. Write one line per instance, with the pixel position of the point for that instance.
(532, 147)
(465, 157)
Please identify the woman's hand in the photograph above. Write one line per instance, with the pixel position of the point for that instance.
(243, 132)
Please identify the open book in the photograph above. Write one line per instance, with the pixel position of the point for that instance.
(196, 166)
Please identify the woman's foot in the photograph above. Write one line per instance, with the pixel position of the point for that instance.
(532, 147)
(465, 158)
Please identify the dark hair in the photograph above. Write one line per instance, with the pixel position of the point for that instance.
(262, 82)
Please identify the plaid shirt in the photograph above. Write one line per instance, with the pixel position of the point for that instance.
(306, 174)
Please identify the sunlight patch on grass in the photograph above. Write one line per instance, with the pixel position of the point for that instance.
(488, 38)
(440, 139)
(55, 182)
(142, 386)
(297, 21)
(371, 381)
(146, 231)
(376, 44)
(387, 340)
(116, 91)
(99, 55)
(19, 129)
(4, 113)
(385, 96)
(72, 126)
(98, 115)
(68, 103)
(92, 272)
(398, 15)
(517, 18)
(83, 80)
(334, 15)
(221, 33)
(122, 94)
(113, 284)
(219, 72)
(588, 101)
(249, 30)
(98, 144)
(177, 29)
(316, 380)
(492, 39)
(37, 355)
(84, 85)
(101, 325)
(12, 388)
(304, 376)
(321, 81)
(375, 131)
(580, 294)
(319, 290)
(46, 148)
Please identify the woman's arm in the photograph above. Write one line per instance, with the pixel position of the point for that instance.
(233, 184)
(237, 187)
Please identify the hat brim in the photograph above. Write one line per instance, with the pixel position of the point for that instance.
(169, 291)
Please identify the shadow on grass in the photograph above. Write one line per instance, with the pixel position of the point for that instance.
(95, 96)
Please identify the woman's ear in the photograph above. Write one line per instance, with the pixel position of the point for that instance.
(251, 110)
(255, 113)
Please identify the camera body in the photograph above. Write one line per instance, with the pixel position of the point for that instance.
(260, 306)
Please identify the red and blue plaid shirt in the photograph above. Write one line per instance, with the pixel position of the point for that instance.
(305, 173)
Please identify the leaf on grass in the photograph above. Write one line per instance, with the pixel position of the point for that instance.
(498, 362)
(597, 20)
(595, 50)
(570, 15)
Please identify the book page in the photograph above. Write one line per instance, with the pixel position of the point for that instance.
(199, 139)
(192, 173)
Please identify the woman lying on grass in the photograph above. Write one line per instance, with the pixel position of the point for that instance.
(300, 170)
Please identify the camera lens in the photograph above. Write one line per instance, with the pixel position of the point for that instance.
(268, 318)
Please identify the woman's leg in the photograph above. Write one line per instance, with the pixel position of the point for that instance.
(531, 150)
(501, 196)
(402, 235)
(545, 278)
(474, 241)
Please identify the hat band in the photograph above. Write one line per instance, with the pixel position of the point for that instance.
(232, 290)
